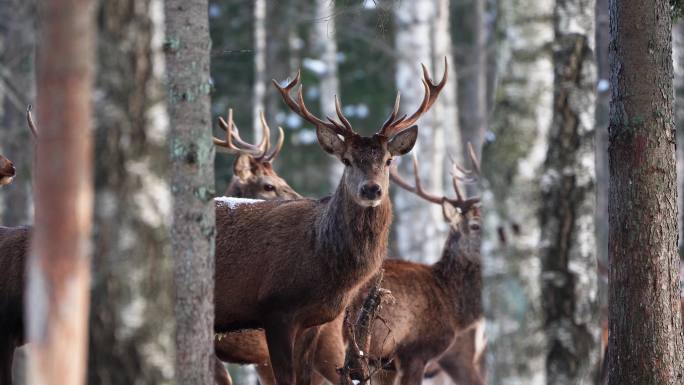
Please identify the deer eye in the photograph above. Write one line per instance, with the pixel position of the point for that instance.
(269, 187)
(389, 161)
(346, 162)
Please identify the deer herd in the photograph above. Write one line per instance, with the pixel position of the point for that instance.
(289, 269)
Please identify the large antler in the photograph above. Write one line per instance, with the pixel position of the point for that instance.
(393, 124)
(261, 151)
(343, 127)
(459, 174)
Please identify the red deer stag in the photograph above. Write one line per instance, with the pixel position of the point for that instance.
(285, 266)
(434, 303)
(7, 171)
(253, 174)
(14, 245)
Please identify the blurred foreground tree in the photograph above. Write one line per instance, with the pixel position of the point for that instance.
(512, 195)
(192, 184)
(568, 239)
(132, 323)
(645, 344)
(57, 296)
(17, 89)
(422, 36)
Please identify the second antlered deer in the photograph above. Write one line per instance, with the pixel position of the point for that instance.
(285, 266)
(434, 303)
(253, 174)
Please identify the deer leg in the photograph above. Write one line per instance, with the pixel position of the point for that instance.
(412, 371)
(221, 375)
(280, 336)
(265, 375)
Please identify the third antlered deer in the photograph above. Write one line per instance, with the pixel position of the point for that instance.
(253, 174)
(7, 171)
(434, 303)
(285, 266)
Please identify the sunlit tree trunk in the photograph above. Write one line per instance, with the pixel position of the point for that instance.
(132, 323)
(422, 36)
(57, 297)
(678, 59)
(512, 196)
(568, 246)
(646, 344)
(192, 185)
(17, 89)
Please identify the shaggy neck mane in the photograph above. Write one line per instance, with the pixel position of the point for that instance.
(353, 237)
(461, 277)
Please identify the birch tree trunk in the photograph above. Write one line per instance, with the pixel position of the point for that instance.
(678, 59)
(325, 50)
(17, 90)
(192, 159)
(57, 293)
(422, 36)
(260, 80)
(132, 323)
(512, 196)
(645, 344)
(568, 246)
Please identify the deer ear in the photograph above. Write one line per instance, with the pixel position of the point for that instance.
(242, 167)
(403, 142)
(450, 212)
(329, 141)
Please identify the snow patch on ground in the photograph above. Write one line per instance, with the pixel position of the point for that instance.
(232, 202)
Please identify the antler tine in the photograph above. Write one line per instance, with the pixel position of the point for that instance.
(469, 176)
(432, 91)
(278, 146)
(31, 125)
(340, 115)
(393, 115)
(233, 134)
(418, 188)
(265, 144)
(300, 109)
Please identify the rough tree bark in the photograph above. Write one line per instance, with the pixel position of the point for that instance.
(678, 59)
(512, 196)
(422, 36)
(58, 293)
(645, 343)
(132, 324)
(17, 89)
(192, 157)
(568, 247)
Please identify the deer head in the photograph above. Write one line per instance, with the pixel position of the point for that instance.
(366, 159)
(461, 213)
(253, 174)
(7, 171)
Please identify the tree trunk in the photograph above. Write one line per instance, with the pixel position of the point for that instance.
(678, 59)
(59, 265)
(510, 165)
(17, 90)
(260, 76)
(325, 50)
(473, 95)
(422, 37)
(192, 157)
(645, 343)
(132, 324)
(568, 247)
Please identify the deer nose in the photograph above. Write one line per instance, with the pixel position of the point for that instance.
(371, 191)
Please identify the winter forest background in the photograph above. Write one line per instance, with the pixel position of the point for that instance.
(529, 87)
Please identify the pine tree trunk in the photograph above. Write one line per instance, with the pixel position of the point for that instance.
(568, 247)
(17, 76)
(192, 157)
(132, 324)
(512, 196)
(678, 59)
(58, 295)
(645, 343)
(422, 37)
